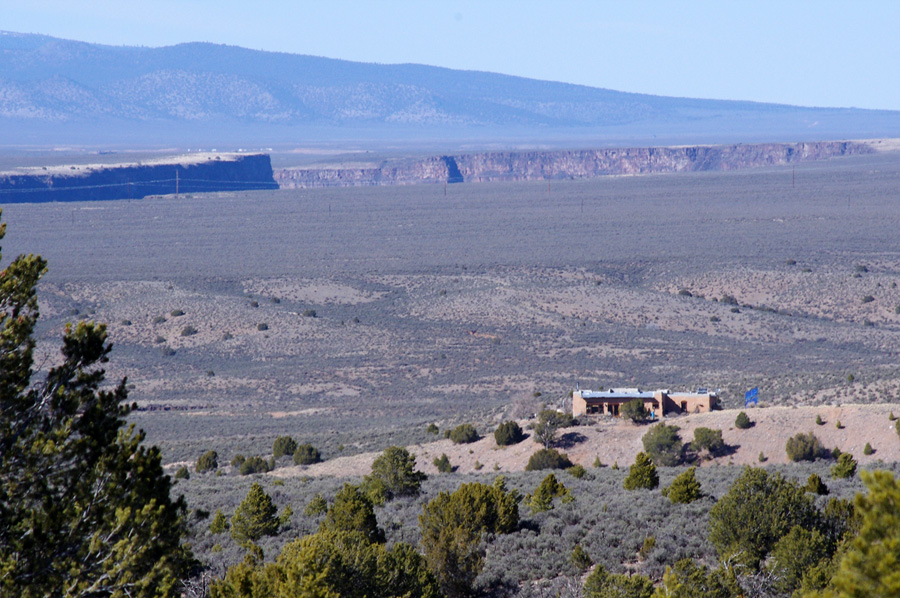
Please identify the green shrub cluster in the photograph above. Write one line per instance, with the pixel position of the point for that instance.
(306, 454)
(684, 488)
(208, 461)
(284, 445)
(663, 444)
(508, 433)
(542, 499)
(742, 421)
(634, 410)
(453, 529)
(548, 459)
(642, 474)
(393, 474)
(463, 434)
(709, 440)
(804, 447)
(443, 464)
(845, 467)
(255, 464)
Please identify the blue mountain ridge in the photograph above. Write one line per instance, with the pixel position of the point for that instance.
(52, 85)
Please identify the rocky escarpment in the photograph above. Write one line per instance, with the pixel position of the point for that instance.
(556, 165)
(192, 173)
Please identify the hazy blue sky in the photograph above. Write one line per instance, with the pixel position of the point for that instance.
(811, 53)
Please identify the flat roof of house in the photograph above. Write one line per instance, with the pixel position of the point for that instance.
(613, 393)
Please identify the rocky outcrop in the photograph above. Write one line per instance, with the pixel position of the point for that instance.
(556, 165)
(192, 173)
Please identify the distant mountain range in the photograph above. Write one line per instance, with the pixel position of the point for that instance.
(60, 91)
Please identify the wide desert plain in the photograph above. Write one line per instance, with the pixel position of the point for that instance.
(352, 318)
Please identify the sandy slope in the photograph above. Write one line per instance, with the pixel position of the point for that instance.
(619, 441)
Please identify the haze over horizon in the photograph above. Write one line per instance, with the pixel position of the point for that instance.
(827, 54)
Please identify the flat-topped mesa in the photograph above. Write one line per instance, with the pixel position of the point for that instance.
(190, 173)
(558, 165)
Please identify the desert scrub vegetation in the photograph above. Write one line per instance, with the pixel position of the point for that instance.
(394, 474)
(684, 488)
(508, 433)
(549, 422)
(284, 445)
(804, 447)
(742, 421)
(634, 410)
(542, 498)
(463, 434)
(208, 461)
(708, 440)
(306, 454)
(642, 474)
(443, 464)
(663, 445)
(454, 525)
(845, 466)
(255, 464)
(548, 458)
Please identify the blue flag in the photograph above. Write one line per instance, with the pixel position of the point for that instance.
(751, 396)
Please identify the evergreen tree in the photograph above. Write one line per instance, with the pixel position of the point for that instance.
(508, 433)
(634, 410)
(85, 508)
(684, 488)
(219, 523)
(394, 474)
(709, 440)
(550, 488)
(306, 454)
(663, 445)
(332, 564)
(757, 511)
(642, 474)
(686, 579)
(815, 485)
(870, 567)
(845, 467)
(283, 445)
(742, 421)
(794, 554)
(602, 584)
(254, 518)
(208, 461)
(453, 526)
(352, 511)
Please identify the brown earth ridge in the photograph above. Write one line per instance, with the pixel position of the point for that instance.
(557, 165)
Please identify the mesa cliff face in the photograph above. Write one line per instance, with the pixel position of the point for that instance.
(556, 165)
(193, 173)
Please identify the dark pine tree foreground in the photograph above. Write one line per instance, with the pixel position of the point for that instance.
(85, 508)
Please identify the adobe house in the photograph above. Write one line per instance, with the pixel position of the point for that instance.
(658, 403)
